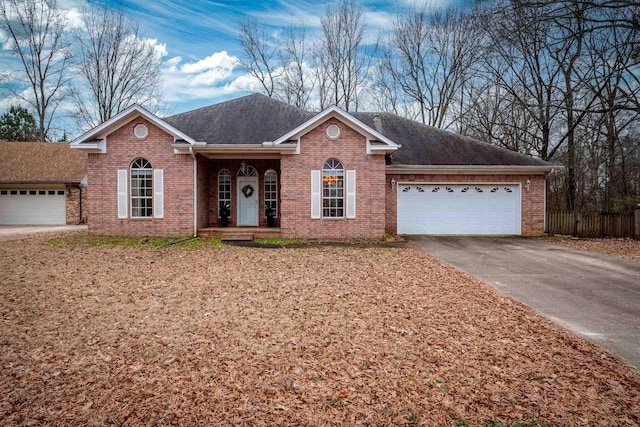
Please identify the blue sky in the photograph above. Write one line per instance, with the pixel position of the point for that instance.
(197, 40)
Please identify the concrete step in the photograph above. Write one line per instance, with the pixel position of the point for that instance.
(236, 237)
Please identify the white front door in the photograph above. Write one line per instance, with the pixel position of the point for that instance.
(247, 200)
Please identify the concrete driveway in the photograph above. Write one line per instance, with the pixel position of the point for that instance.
(12, 232)
(595, 296)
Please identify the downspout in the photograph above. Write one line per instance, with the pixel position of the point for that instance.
(81, 221)
(195, 192)
(546, 183)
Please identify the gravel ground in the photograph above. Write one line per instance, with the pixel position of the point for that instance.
(309, 336)
(623, 248)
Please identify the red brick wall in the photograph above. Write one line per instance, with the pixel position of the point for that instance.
(315, 149)
(532, 209)
(76, 208)
(122, 149)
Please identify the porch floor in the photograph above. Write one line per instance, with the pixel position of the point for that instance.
(239, 233)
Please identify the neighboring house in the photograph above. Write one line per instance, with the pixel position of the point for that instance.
(42, 183)
(331, 174)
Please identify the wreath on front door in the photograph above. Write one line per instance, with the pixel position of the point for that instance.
(247, 190)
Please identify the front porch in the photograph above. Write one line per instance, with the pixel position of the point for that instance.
(238, 197)
(239, 233)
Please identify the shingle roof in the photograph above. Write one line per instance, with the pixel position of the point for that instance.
(41, 162)
(426, 145)
(256, 118)
(252, 119)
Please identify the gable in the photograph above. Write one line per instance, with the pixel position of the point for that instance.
(95, 140)
(376, 142)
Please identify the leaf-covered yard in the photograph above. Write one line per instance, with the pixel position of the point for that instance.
(628, 249)
(116, 335)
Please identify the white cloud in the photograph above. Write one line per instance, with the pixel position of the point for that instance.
(429, 4)
(219, 60)
(208, 78)
(160, 49)
(73, 18)
(173, 62)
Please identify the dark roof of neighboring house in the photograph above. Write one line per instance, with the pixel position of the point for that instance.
(41, 162)
(257, 118)
(426, 145)
(251, 119)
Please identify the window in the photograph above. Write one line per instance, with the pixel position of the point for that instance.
(140, 131)
(332, 189)
(141, 189)
(271, 192)
(247, 170)
(224, 190)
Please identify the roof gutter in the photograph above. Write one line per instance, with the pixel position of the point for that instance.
(229, 149)
(469, 169)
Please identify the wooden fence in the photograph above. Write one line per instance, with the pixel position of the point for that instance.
(591, 224)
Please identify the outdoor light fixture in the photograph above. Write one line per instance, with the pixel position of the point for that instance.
(243, 167)
(393, 183)
(527, 185)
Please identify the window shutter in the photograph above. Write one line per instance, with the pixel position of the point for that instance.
(158, 193)
(316, 188)
(122, 194)
(351, 194)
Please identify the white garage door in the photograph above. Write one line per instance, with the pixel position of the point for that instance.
(458, 209)
(22, 207)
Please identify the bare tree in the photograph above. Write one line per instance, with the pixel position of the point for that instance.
(118, 66)
(610, 61)
(261, 56)
(296, 82)
(37, 36)
(341, 63)
(429, 57)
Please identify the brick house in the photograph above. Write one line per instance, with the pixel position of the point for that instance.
(42, 183)
(254, 161)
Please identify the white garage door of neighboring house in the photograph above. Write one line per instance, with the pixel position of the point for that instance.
(28, 206)
(468, 209)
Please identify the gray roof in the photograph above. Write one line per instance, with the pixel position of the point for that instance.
(426, 145)
(251, 119)
(256, 118)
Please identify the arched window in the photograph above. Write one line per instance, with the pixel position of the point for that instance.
(141, 189)
(271, 193)
(333, 189)
(224, 191)
(247, 170)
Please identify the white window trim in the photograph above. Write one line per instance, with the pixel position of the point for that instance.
(275, 178)
(350, 194)
(322, 197)
(227, 175)
(123, 199)
(131, 197)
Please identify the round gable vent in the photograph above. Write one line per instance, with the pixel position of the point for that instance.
(140, 131)
(333, 131)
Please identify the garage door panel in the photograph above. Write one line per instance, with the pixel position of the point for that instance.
(458, 209)
(28, 208)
